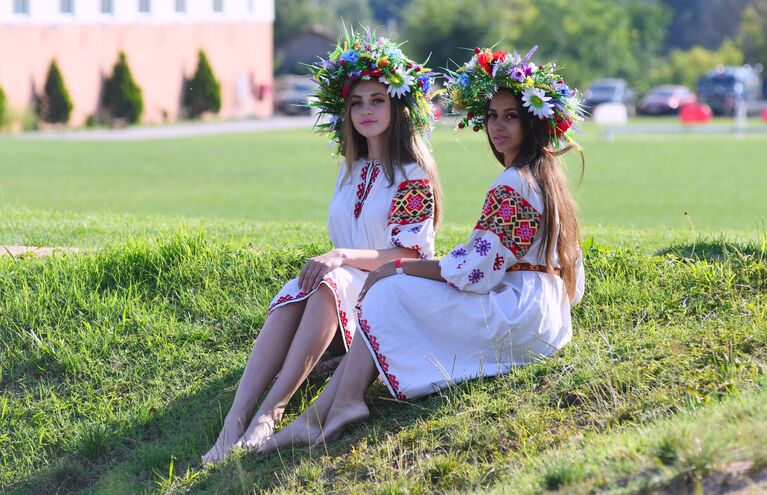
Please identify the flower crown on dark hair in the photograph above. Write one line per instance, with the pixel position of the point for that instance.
(366, 57)
(541, 90)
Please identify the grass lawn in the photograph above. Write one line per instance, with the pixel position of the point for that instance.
(631, 182)
(117, 365)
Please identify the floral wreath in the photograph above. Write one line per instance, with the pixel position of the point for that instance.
(542, 91)
(364, 56)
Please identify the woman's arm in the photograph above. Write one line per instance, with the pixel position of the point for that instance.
(417, 268)
(371, 259)
(366, 259)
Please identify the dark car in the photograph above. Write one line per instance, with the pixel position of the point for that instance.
(291, 93)
(666, 99)
(609, 91)
(725, 86)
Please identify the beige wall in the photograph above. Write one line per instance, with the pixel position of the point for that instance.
(159, 56)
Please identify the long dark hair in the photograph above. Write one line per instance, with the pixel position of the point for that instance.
(538, 161)
(403, 145)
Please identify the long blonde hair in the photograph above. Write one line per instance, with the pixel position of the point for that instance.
(403, 145)
(537, 159)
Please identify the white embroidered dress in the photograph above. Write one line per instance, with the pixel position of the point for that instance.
(426, 334)
(366, 213)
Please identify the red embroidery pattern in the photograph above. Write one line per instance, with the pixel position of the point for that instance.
(383, 364)
(413, 203)
(511, 217)
(498, 263)
(343, 319)
(364, 187)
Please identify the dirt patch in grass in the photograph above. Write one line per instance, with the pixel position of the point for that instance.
(737, 478)
(34, 250)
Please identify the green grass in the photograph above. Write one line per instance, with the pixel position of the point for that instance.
(118, 366)
(631, 182)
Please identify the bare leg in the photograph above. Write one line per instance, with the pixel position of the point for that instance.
(315, 332)
(308, 426)
(268, 353)
(349, 401)
(357, 370)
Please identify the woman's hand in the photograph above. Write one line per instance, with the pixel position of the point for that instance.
(316, 268)
(383, 271)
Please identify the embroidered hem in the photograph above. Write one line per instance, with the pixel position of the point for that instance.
(343, 319)
(380, 360)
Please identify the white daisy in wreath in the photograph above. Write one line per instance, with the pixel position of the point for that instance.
(537, 102)
(399, 82)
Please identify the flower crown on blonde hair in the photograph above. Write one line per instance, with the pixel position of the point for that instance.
(541, 90)
(367, 57)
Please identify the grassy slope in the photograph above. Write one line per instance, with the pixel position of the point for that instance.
(117, 367)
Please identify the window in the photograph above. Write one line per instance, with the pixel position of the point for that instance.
(181, 6)
(218, 5)
(21, 6)
(107, 7)
(67, 6)
(145, 6)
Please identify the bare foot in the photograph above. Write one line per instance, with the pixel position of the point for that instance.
(259, 430)
(301, 431)
(339, 418)
(230, 434)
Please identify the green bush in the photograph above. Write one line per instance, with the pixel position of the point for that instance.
(122, 96)
(203, 91)
(55, 106)
(3, 109)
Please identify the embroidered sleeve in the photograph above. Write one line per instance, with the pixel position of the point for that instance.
(504, 233)
(411, 217)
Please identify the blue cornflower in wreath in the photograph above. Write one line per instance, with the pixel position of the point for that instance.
(365, 56)
(540, 88)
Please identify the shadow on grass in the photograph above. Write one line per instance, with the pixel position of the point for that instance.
(164, 449)
(714, 250)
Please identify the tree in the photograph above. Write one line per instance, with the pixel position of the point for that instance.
(3, 109)
(122, 96)
(599, 38)
(752, 34)
(55, 106)
(297, 16)
(203, 91)
(448, 29)
(705, 23)
(686, 66)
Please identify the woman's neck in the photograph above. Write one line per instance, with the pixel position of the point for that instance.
(508, 160)
(375, 148)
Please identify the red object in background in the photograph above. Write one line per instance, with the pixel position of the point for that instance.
(764, 114)
(695, 113)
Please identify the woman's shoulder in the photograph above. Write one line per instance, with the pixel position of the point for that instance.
(410, 171)
(520, 181)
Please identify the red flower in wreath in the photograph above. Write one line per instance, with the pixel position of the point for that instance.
(485, 58)
(499, 56)
(345, 90)
(561, 126)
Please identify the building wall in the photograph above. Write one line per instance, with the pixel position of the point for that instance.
(160, 54)
(128, 11)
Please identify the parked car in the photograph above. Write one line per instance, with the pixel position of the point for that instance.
(666, 99)
(723, 87)
(609, 91)
(290, 96)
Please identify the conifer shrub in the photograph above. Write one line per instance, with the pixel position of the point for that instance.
(202, 92)
(55, 104)
(3, 109)
(122, 96)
